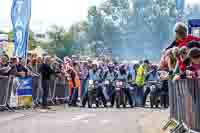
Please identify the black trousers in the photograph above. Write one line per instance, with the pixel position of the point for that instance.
(99, 94)
(45, 87)
(146, 93)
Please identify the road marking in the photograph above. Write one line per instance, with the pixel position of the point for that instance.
(104, 122)
(10, 117)
(82, 116)
(85, 121)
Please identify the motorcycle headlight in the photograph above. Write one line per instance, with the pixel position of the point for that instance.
(106, 82)
(91, 82)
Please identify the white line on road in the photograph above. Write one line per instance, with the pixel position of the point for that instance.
(10, 117)
(85, 121)
(104, 122)
(82, 116)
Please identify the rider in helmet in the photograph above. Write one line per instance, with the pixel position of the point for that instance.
(123, 76)
(109, 75)
(153, 75)
(95, 74)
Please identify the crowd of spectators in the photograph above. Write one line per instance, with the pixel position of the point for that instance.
(182, 57)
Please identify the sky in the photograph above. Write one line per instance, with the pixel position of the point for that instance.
(49, 12)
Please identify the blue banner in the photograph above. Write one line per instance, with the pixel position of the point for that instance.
(24, 86)
(20, 15)
(180, 4)
(193, 23)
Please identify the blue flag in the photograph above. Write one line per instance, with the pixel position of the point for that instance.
(180, 4)
(20, 15)
(24, 86)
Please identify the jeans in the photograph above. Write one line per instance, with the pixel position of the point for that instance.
(101, 95)
(139, 96)
(45, 87)
(128, 94)
(83, 87)
(74, 97)
(108, 92)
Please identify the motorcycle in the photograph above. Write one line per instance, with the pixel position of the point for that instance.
(93, 93)
(164, 94)
(164, 88)
(108, 86)
(154, 93)
(120, 97)
(132, 88)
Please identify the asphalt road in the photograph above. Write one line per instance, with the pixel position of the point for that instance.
(80, 120)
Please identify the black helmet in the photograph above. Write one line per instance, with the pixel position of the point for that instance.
(146, 61)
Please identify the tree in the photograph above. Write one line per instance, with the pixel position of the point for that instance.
(10, 36)
(32, 42)
(61, 41)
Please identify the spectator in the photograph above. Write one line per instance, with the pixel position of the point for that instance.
(34, 65)
(5, 68)
(74, 93)
(181, 61)
(182, 39)
(151, 76)
(4, 60)
(168, 59)
(194, 69)
(84, 73)
(46, 72)
(39, 62)
(29, 65)
(22, 71)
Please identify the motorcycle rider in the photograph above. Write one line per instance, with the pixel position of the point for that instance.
(95, 74)
(151, 76)
(123, 76)
(110, 75)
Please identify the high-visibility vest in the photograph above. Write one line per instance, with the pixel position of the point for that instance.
(140, 76)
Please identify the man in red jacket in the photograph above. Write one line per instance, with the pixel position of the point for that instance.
(182, 39)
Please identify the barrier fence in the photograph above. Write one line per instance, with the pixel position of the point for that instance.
(184, 96)
(5, 90)
(15, 92)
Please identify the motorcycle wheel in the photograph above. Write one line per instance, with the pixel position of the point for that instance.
(97, 104)
(89, 100)
(151, 101)
(117, 101)
(124, 102)
(157, 105)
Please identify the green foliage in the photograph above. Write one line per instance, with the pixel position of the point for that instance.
(10, 36)
(122, 25)
(60, 43)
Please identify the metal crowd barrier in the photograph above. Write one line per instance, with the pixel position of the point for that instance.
(57, 91)
(5, 91)
(60, 93)
(37, 89)
(184, 98)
